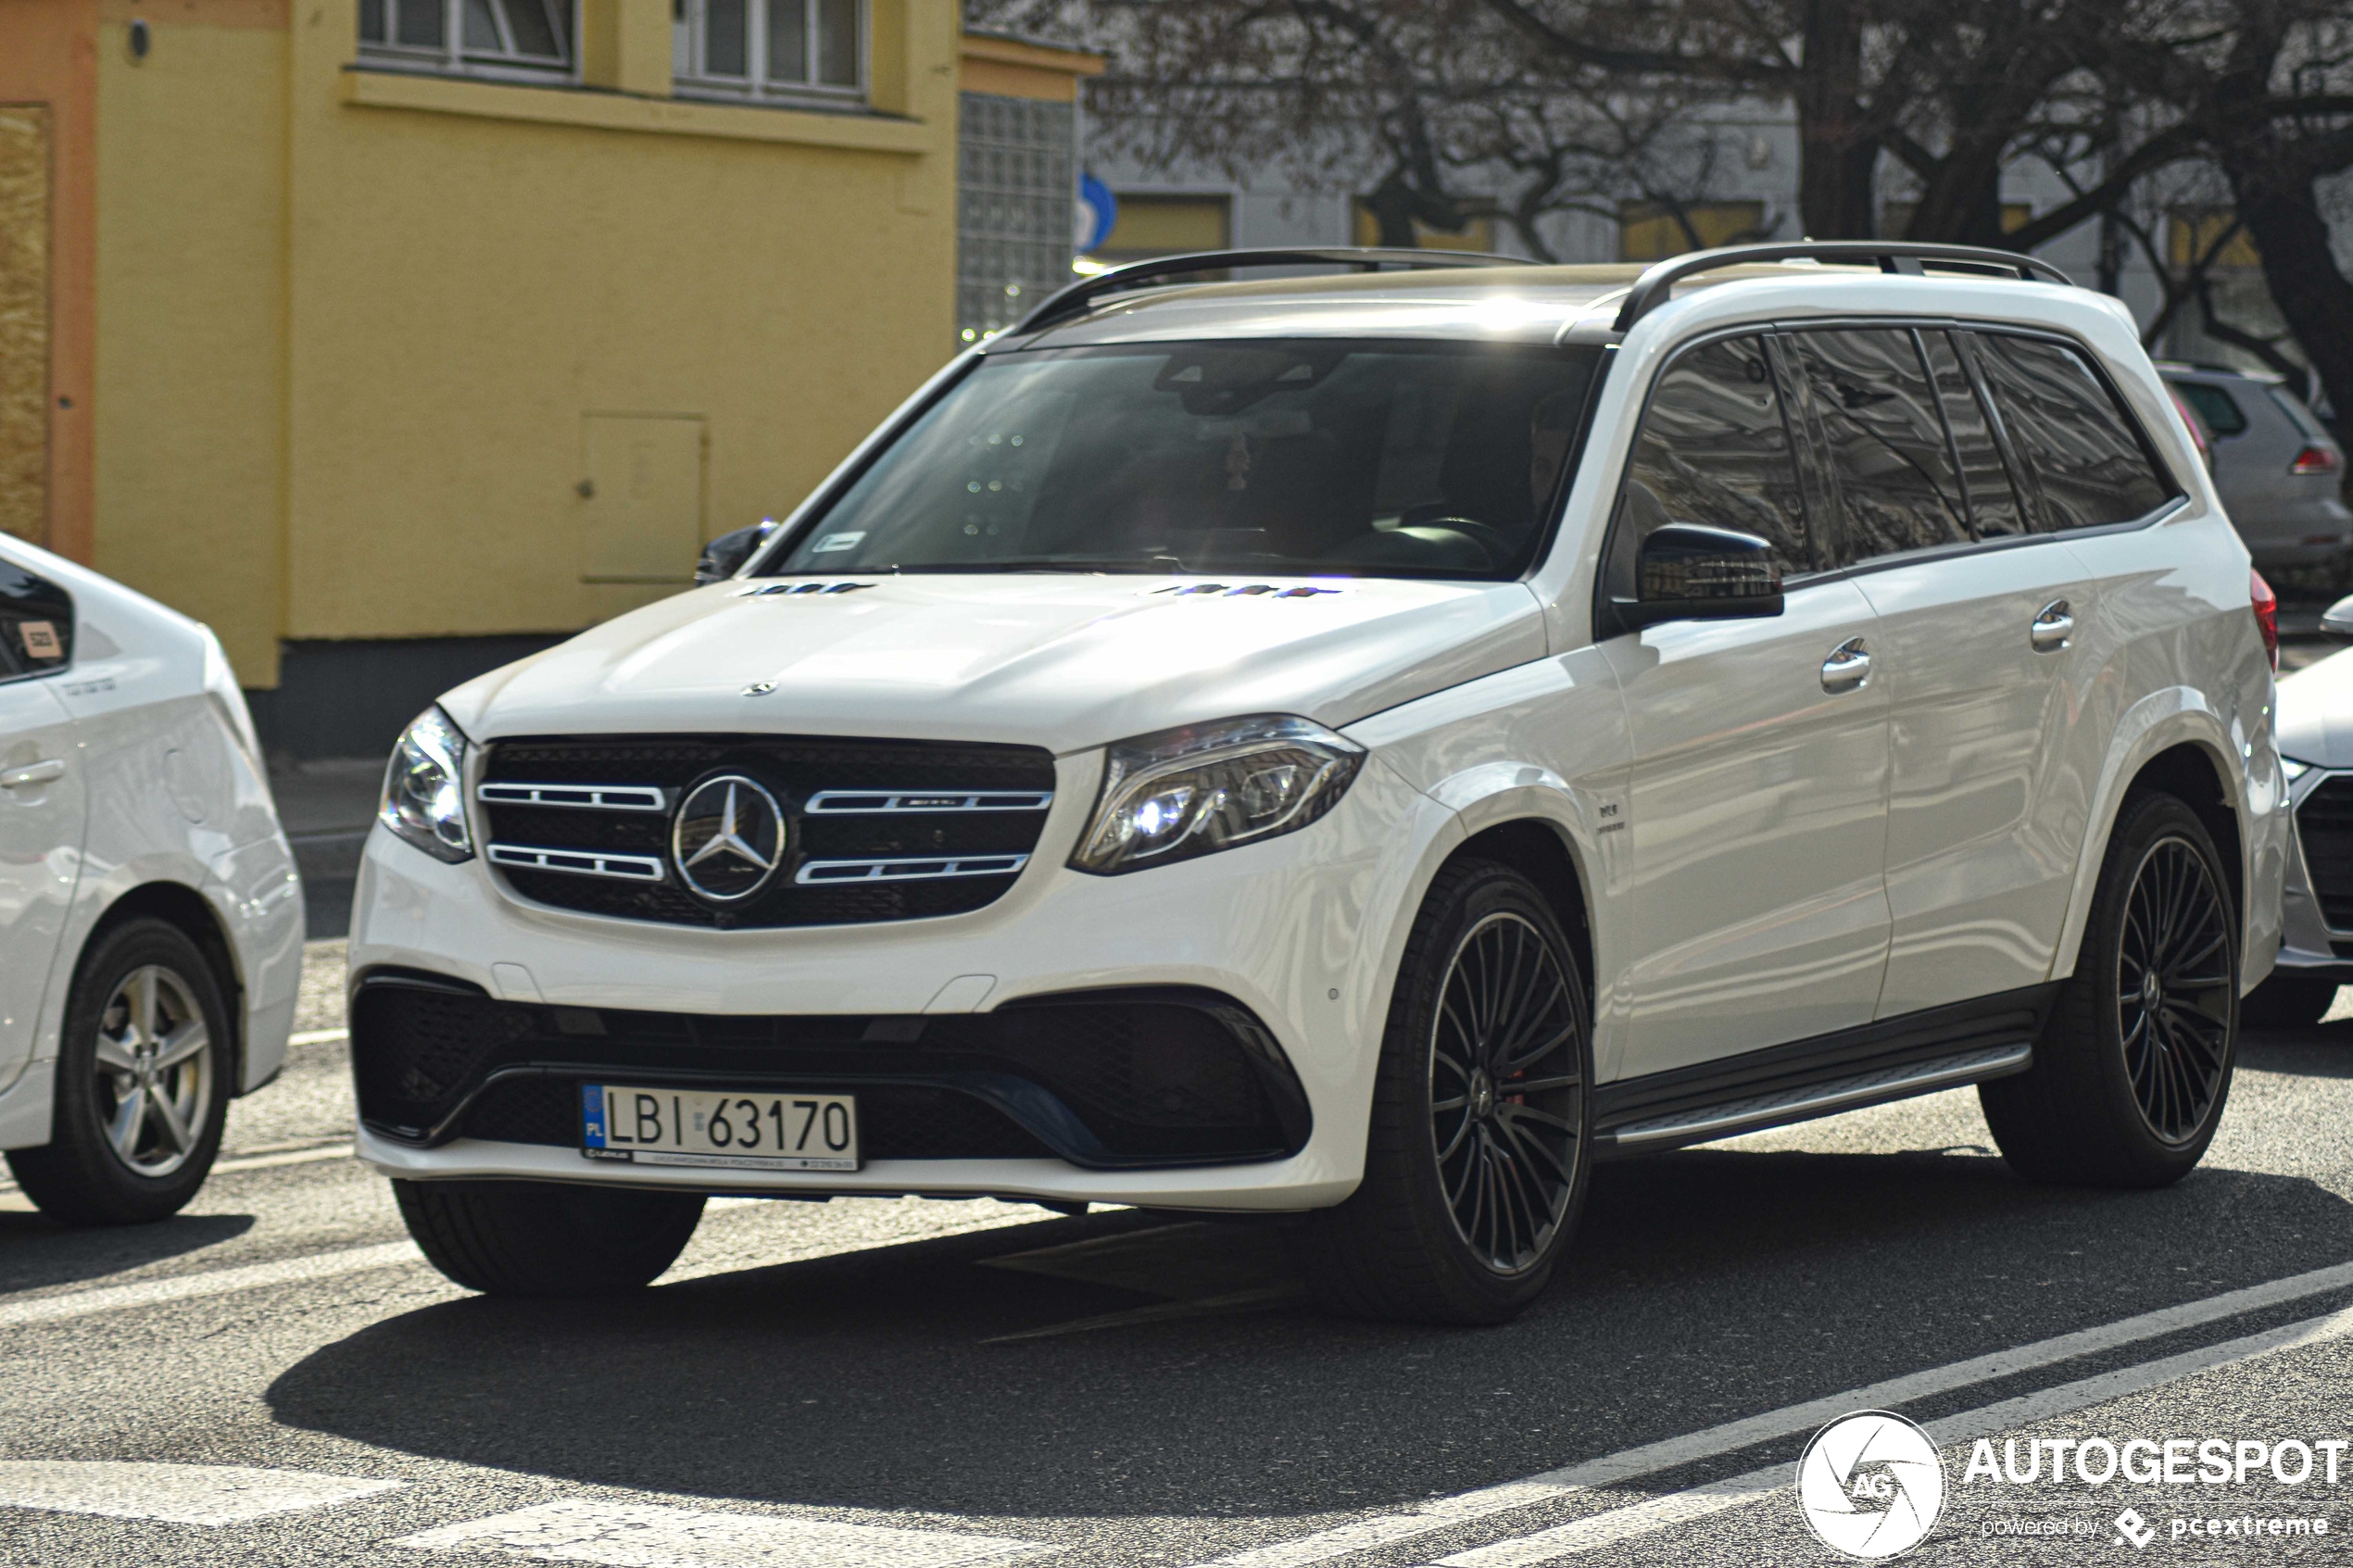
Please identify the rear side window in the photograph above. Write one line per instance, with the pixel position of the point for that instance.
(1893, 472)
(36, 624)
(2078, 443)
(2299, 415)
(2217, 407)
(1714, 449)
(1994, 510)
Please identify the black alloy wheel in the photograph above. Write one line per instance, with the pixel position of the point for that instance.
(2132, 1068)
(2174, 984)
(1479, 1148)
(1506, 1088)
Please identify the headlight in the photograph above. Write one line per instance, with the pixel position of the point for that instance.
(425, 788)
(1181, 792)
(2293, 769)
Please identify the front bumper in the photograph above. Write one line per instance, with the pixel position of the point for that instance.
(2309, 945)
(1291, 931)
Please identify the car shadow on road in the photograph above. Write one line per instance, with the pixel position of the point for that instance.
(37, 1253)
(2317, 1050)
(1707, 1286)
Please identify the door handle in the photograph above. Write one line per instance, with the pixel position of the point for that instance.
(42, 772)
(1848, 666)
(2054, 624)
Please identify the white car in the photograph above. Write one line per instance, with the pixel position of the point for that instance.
(149, 910)
(1364, 749)
(2316, 938)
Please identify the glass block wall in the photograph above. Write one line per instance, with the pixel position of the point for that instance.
(1015, 191)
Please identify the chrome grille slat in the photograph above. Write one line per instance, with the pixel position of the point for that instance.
(580, 798)
(578, 862)
(907, 869)
(862, 802)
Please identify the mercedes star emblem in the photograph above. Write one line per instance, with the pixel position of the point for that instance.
(728, 839)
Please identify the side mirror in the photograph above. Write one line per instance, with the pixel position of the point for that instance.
(1690, 571)
(724, 556)
(2337, 620)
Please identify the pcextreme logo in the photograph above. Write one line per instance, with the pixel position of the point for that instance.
(1870, 1485)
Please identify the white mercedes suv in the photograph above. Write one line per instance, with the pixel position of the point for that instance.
(1364, 748)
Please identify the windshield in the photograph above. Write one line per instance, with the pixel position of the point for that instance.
(1310, 457)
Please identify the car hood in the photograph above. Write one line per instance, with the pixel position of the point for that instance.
(2316, 713)
(1061, 661)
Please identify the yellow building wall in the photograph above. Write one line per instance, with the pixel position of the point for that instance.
(191, 306)
(476, 273)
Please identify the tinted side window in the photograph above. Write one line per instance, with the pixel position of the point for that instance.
(36, 624)
(1714, 449)
(1889, 460)
(1992, 501)
(2066, 426)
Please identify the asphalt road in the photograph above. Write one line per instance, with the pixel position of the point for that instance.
(275, 1378)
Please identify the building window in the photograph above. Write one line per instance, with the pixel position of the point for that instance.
(809, 50)
(1149, 226)
(495, 37)
(1016, 195)
(1894, 218)
(1478, 234)
(1647, 231)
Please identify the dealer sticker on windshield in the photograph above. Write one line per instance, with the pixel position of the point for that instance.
(744, 1129)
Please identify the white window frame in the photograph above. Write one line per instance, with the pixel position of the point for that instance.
(453, 55)
(690, 78)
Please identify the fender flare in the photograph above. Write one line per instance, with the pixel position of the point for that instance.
(1490, 796)
(2165, 718)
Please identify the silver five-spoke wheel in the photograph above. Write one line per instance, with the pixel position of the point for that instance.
(154, 1062)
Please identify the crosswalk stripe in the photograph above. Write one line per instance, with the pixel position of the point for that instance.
(1732, 1436)
(654, 1536)
(1678, 1508)
(209, 1282)
(178, 1494)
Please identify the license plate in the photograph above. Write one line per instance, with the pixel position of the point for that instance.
(746, 1129)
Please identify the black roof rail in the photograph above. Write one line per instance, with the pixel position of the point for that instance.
(1075, 299)
(1651, 289)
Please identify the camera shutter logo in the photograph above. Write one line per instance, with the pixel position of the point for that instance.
(728, 839)
(1870, 1485)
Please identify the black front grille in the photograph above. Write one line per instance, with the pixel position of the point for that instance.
(1103, 1079)
(794, 769)
(2324, 824)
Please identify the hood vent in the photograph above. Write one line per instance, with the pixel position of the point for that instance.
(1241, 591)
(772, 590)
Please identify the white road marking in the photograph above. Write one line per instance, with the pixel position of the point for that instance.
(318, 1036)
(650, 1537)
(1732, 1436)
(210, 1282)
(1676, 1508)
(182, 1494)
(292, 1157)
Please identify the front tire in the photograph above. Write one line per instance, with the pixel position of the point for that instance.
(547, 1239)
(1476, 1161)
(141, 1084)
(2133, 1066)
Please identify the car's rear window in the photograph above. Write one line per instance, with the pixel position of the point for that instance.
(2217, 407)
(1381, 459)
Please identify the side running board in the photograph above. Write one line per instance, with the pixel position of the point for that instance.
(1892, 1060)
